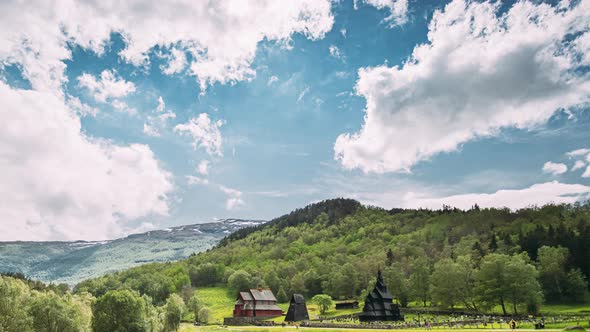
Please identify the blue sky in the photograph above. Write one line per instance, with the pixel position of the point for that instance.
(396, 104)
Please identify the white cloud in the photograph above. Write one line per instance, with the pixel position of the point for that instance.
(579, 164)
(586, 173)
(121, 106)
(150, 130)
(59, 184)
(272, 80)
(177, 62)
(335, 52)
(161, 105)
(343, 32)
(221, 36)
(195, 180)
(203, 167)
(302, 94)
(554, 168)
(108, 87)
(156, 123)
(204, 132)
(478, 73)
(398, 10)
(537, 194)
(578, 153)
(234, 197)
(80, 108)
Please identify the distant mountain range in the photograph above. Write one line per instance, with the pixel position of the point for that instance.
(71, 262)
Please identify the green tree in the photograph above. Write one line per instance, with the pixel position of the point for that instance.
(323, 301)
(119, 311)
(174, 310)
(576, 287)
(420, 280)
(397, 282)
(504, 279)
(466, 288)
(154, 315)
(195, 304)
(282, 296)
(204, 315)
(207, 274)
(273, 281)
(51, 313)
(445, 281)
(239, 281)
(552, 269)
(14, 299)
(298, 284)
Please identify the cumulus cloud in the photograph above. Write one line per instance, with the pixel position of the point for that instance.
(204, 132)
(398, 10)
(177, 62)
(537, 194)
(578, 164)
(578, 153)
(478, 73)
(195, 180)
(203, 167)
(554, 168)
(221, 36)
(59, 184)
(80, 108)
(582, 157)
(108, 86)
(234, 198)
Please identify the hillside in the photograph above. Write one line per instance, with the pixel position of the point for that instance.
(71, 262)
(447, 257)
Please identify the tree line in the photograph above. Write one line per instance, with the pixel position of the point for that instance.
(27, 306)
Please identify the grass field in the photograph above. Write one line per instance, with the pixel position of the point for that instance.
(189, 328)
(221, 304)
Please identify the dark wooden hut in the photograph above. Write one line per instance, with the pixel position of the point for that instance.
(347, 305)
(379, 304)
(297, 309)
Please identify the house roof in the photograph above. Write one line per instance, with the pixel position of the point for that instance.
(268, 307)
(263, 295)
(246, 296)
(298, 298)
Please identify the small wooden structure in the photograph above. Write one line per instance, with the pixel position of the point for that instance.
(297, 309)
(347, 305)
(257, 303)
(379, 305)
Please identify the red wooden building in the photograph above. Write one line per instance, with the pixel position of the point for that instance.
(257, 303)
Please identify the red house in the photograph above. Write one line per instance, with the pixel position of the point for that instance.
(257, 303)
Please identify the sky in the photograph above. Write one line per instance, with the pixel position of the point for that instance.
(120, 117)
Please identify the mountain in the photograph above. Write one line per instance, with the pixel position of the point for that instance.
(71, 262)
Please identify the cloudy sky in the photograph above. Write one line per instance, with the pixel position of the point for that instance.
(124, 116)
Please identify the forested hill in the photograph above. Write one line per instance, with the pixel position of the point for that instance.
(335, 209)
(476, 259)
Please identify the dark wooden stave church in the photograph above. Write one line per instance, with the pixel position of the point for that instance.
(297, 309)
(379, 304)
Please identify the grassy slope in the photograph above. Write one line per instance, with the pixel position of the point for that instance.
(221, 303)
